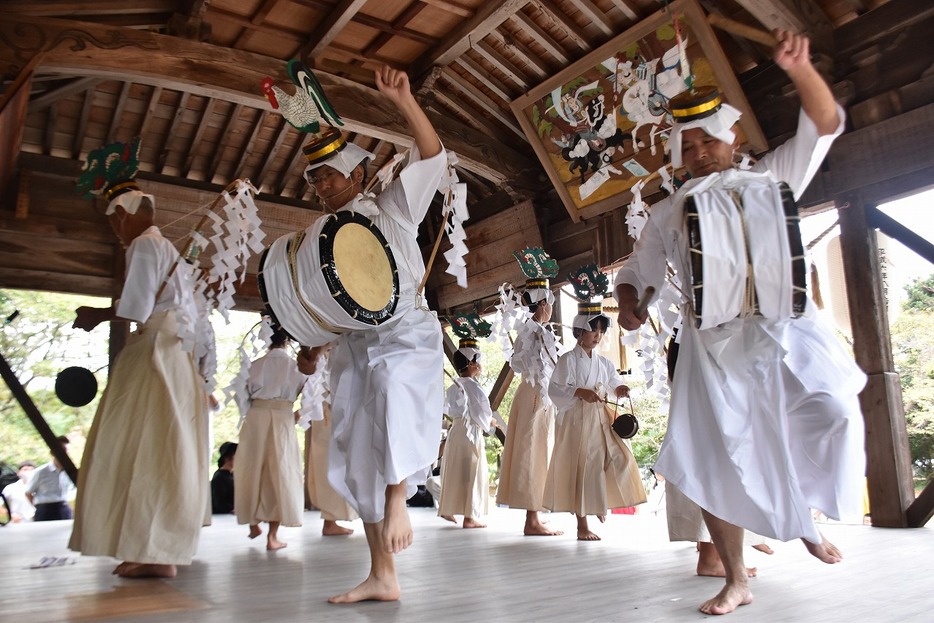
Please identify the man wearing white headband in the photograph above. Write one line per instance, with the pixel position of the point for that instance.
(765, 423)
(143, 488)
(387, 387)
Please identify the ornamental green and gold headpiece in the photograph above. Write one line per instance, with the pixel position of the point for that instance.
(538, 267)
(110, 173)
(470, 327)
(590, 287)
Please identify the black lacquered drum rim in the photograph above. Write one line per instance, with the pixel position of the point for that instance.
(332, 278)
(267, 306)
(626, 425)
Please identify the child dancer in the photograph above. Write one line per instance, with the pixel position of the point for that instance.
(592, 469)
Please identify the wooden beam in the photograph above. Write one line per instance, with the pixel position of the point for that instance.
(328, 29)
(77, 85)
(553, 11)
(879, 24)
(533, 61)
(541, 36)
(359, 18)
(450, 7)
(596, 16)
(922, 509)
(199, 134)
(398, 24)
(271, 153)
(118, 112)
(795, 16)
(233, 75)
(624, 7)
(481, 100)
(500, 387)
(872, 155)
(247, 149)
(265, 8)
(48, 137)
(502, 64)
(82, 124)
(485, 78)
(154, 98)
(893, 229)
(180, 110)
(887, 451)
(223, 141)
(456, 43)
(286, 173)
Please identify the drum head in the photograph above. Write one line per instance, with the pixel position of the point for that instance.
(626, 426)
(359, 267)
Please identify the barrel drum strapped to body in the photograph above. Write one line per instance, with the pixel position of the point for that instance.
(714, 297)
(337, 276)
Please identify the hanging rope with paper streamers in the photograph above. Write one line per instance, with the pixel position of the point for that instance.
(253, 345)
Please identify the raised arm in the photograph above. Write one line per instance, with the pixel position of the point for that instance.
(394, 84)
(792, 54)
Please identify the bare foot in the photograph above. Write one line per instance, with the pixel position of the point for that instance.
(371, 589)
(728, 599)
(470, 522)
(144, 570)
(540, 529)
(255, 531)
(332, 528)
(825, 551)
(448, 518)
(717, 570)
(764, 548)
(121, 567)
(274, 544)
(586, 535)
(602, 518)
(397, 527)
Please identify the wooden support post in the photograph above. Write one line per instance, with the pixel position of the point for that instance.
(32, 412)
(887, 451)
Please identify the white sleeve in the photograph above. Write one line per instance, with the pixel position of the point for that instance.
(143, 278)
(647, 265)
(563, 382)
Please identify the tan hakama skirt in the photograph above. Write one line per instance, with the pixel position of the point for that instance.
(592, 470)
(529, 441)
(269, 466)
(465, 488)
(332, 506)
(143, 483)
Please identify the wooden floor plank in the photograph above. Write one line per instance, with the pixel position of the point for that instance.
(454, 575)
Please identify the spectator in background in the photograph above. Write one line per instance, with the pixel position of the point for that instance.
(49, 490)
(21, 509)
(222, 483)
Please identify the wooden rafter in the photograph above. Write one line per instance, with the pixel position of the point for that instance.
(481, 100)
(271, 153)
(48, 137)
(625, 7)
(485, 78)
(225, 137)
(450, 7)
(173, 130)
(596, 16)
(541, 36)
(91, 8)
(150, 111)
(257, 18)
(534, 62)
(793, 15)
(371, 22)
(501, 64)
(78, 85)
(118, 111)
(199, 134)
(285, 174)
(554, 12)
(248, 146)
(82, 124)
(398, 24)
(479, 123)
(477, 27)
(333, 22)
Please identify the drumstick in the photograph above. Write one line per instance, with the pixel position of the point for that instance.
(742, 30)
(644, 301)
(434, 252)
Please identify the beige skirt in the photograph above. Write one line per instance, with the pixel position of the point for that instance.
(465, 488)
(592, 470)
(269, 466)
(143, 483)
(529, 442)
(332, 506)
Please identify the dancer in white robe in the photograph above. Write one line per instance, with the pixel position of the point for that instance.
(143, 483)
(269, 463)
(530, 433)
(592, 470)
(316, 408)
(386, 382)
(465, 480)
(765, 424)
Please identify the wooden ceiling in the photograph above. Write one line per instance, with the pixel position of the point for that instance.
(185, 76)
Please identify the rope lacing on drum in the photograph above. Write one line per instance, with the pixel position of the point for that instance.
(750, 307)
(292, 254)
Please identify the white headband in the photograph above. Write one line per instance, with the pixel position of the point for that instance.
(717, 125)
(345, 160)
(471, 353)
(540, 294)
(129, 201)
(582, 321)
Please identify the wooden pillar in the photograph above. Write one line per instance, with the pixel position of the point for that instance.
(888, 455)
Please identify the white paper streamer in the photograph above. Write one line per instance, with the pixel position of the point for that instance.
(455, 207)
